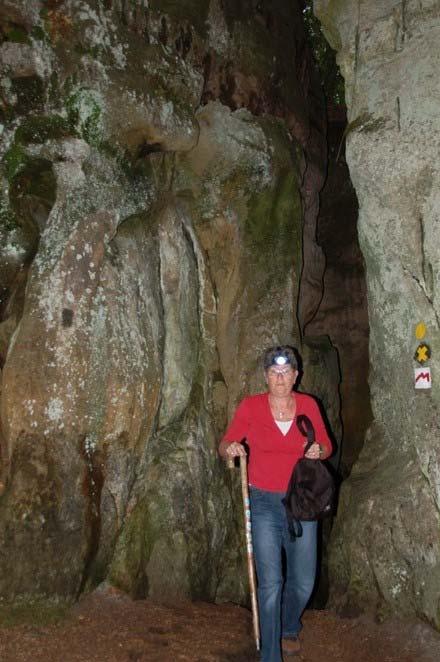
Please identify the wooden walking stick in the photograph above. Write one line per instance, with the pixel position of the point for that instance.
(249, 547)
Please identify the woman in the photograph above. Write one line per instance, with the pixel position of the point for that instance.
(267, 422)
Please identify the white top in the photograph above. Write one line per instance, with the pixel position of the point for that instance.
(284, 426)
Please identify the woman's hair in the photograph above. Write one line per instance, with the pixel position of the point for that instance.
(286, 352)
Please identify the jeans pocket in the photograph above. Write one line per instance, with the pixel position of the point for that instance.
(258, 500)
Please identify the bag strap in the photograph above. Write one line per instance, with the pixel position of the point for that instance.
(306, 428)
(294, 526)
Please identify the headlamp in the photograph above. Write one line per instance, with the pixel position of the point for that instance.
(280, 360)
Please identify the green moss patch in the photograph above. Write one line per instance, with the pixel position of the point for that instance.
(133, 551)
(39, 34)
(14, 160)
(16, 33)
(325, 56)
(38, 129)
(272, 230)
(85, 115)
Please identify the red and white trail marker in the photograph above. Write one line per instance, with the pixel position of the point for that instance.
(422, 377)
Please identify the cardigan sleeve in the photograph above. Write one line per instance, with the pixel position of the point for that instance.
(321, 434)
(239, 426)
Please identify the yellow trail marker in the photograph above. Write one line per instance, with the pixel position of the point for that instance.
(420, 331)
(423, 353)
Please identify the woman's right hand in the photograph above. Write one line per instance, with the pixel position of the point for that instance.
(235, 449)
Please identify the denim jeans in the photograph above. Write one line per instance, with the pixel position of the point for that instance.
(281, 600)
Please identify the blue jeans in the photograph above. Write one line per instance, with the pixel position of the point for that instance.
(281, 601)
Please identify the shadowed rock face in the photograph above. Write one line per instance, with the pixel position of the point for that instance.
(156, 160)
(385, 552)
(342, 313)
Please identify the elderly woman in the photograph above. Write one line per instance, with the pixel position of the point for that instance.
(267, 422)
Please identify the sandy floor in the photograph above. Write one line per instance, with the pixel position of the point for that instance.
(109, 627)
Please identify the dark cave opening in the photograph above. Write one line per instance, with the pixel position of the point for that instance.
(343, 310)
(342, 314)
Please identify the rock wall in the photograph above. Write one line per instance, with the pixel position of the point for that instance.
(385, 554)
(156, 160)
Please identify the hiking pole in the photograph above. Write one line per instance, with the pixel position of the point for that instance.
(249, 547)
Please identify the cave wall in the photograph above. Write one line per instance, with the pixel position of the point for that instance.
(160, 162)
(385, 551)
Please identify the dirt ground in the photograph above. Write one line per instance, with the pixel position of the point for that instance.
(107, 626)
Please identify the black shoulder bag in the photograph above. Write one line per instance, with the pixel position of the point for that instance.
(311, 492)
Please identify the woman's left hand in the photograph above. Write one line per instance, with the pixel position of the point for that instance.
(314, 452)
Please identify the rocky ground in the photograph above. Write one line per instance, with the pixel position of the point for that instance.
(107, 626)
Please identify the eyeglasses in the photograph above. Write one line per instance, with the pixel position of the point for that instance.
(284, 373)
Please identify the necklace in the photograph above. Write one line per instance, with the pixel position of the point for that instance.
(280, 414)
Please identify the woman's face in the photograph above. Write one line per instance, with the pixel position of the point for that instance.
(280, 381)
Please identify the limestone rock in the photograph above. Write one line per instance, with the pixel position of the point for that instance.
(152, 177)
(386, 552)
(21, 12)
(239, 169)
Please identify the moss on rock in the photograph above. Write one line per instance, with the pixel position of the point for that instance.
(12, 32)
(84, 111)
(40, 128)
(272, 233)
(14, 161)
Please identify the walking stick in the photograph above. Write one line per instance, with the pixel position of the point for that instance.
(249, 547)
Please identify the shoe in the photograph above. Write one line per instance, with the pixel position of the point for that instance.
(290, 646)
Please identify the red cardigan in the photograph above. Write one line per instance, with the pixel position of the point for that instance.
(273, 455)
